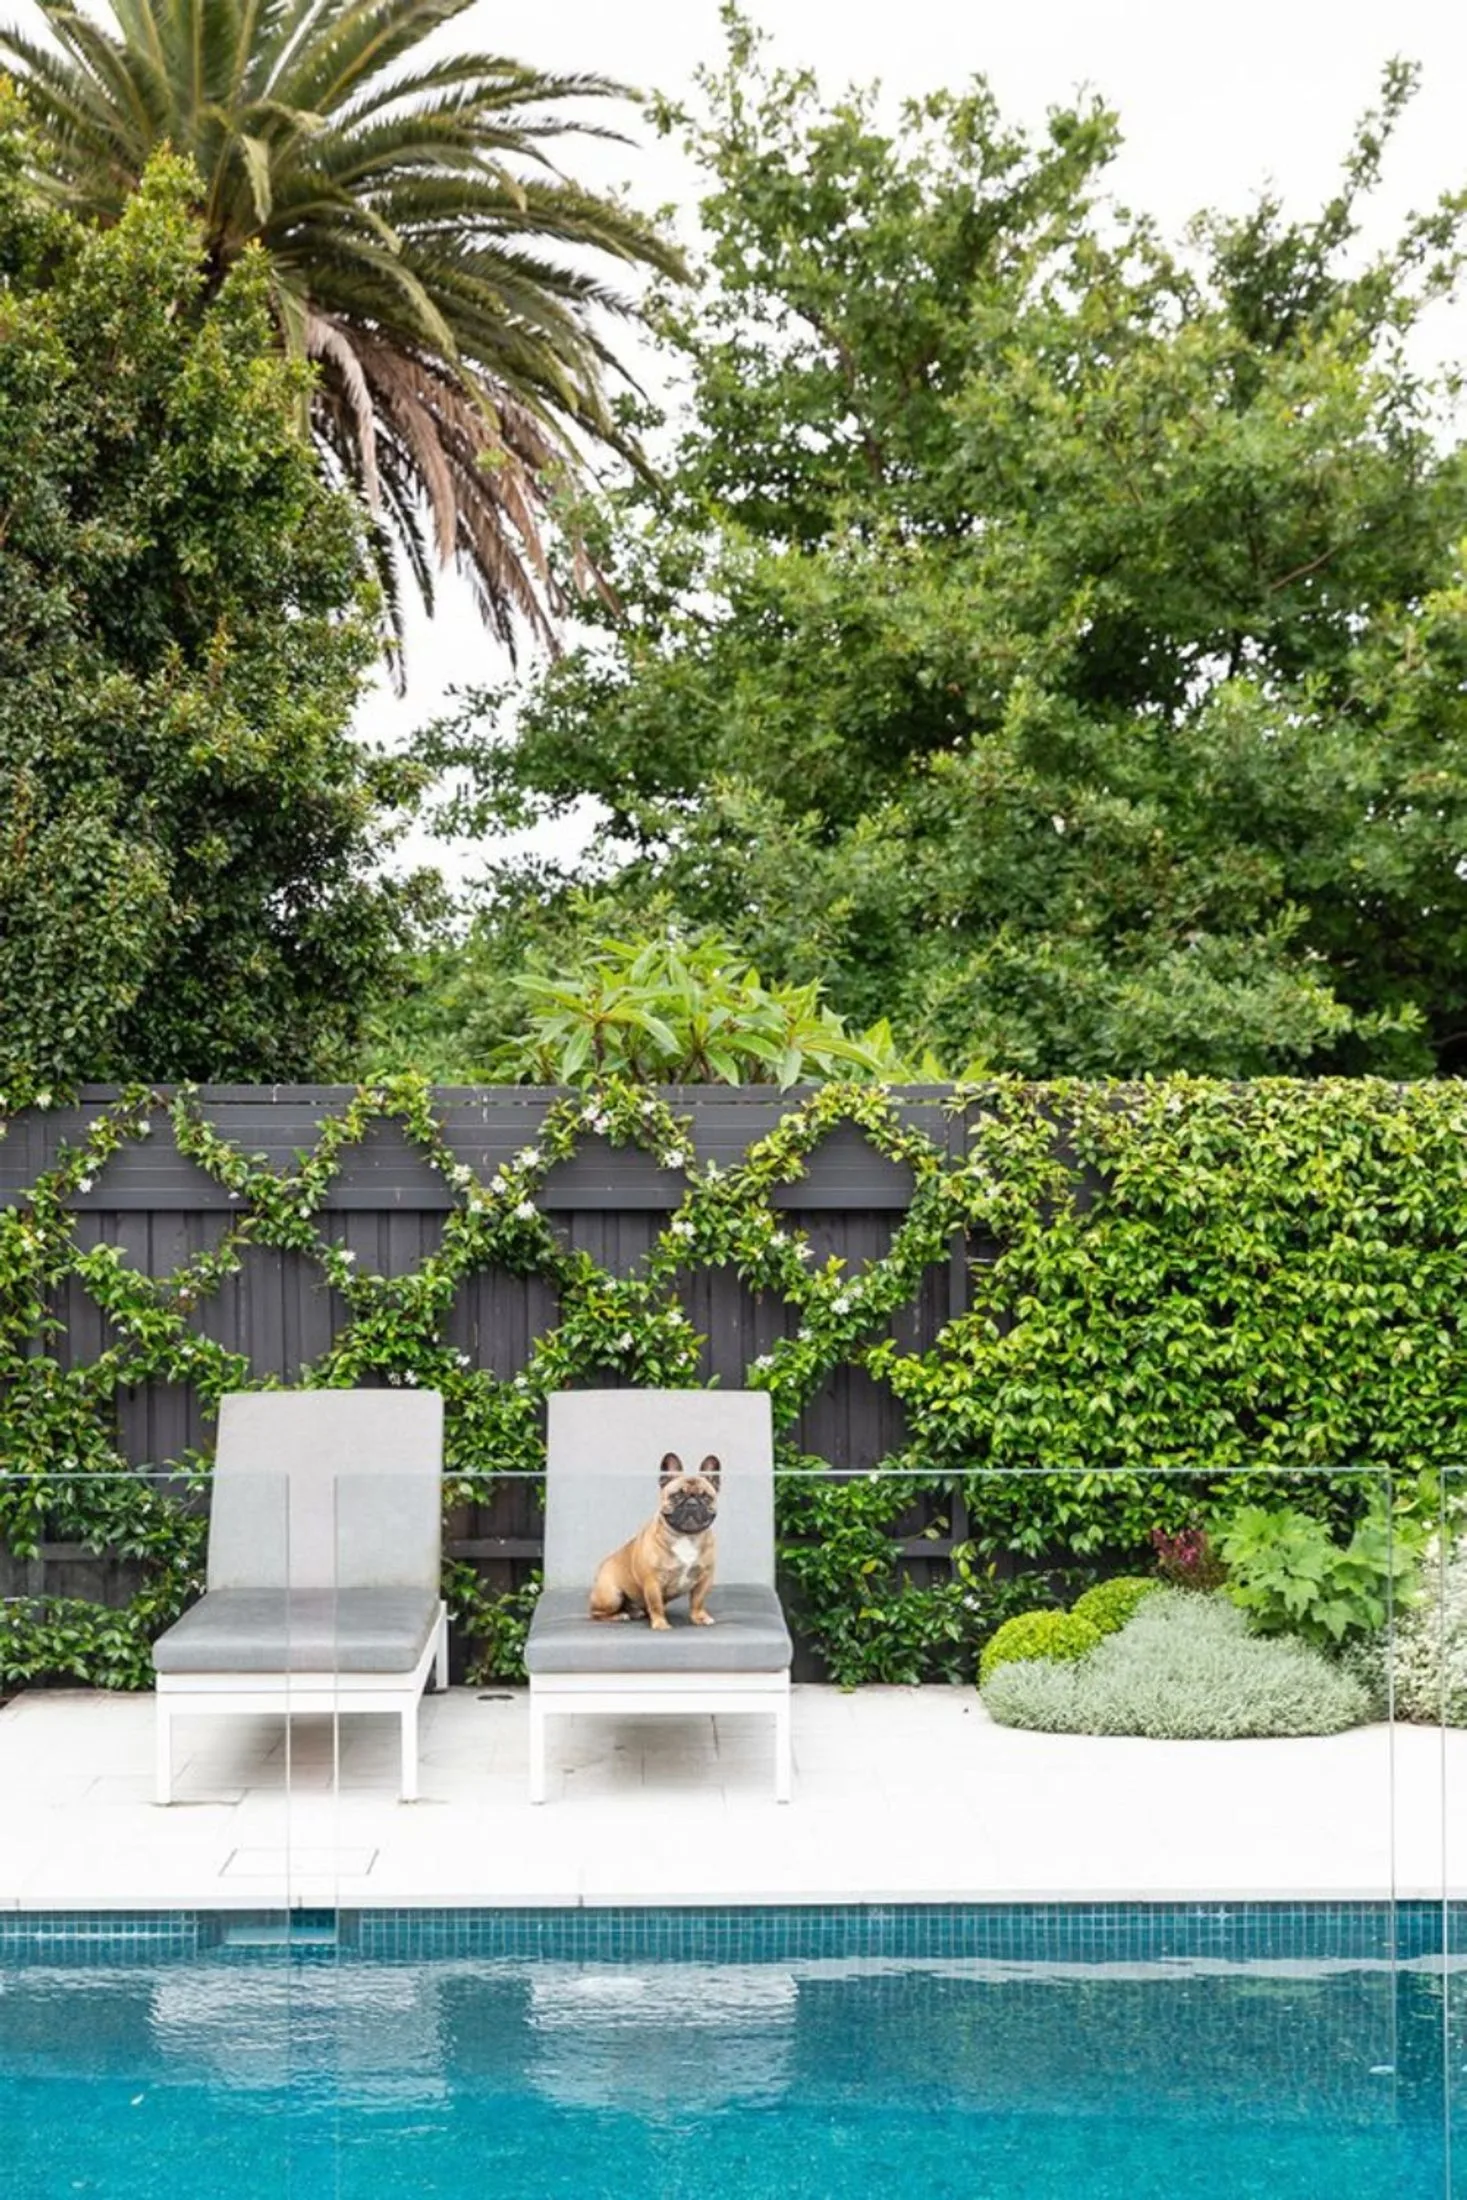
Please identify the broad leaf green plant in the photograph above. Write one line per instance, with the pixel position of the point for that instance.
(682, 1012)
(1287, 1572)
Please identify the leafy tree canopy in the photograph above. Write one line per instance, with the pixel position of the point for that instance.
(1050, 637)
(187, 829)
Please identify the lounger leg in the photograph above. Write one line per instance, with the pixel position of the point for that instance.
(782, 1768)
(440, 1661)
(537, 1750)
(410, 1752)
(163, 1751)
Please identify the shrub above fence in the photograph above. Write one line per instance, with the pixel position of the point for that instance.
(1003, 1327)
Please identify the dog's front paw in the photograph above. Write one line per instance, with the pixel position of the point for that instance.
(702, 1619)
(661, 1623)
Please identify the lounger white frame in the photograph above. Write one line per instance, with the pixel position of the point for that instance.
(292, 1695)
(608, 1442)
(293, 1450)
(676, 1695)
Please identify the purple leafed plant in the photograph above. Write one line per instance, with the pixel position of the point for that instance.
(1187, 1559)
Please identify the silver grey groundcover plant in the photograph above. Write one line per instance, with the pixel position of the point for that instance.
(1184, 1667)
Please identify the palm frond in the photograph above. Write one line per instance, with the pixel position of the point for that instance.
(427, 253)
(323, 340)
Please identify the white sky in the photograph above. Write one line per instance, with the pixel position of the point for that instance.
(1215, 105)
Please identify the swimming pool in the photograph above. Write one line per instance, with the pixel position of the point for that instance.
(1053, 2052)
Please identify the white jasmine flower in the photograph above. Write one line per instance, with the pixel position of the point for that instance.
(84, 1184)
(526, 1210)
(346, 1255)
(682, 1228)
(463, 1359)
(528, 1157)
(145, 1130)
(842, 1305)
(765, 1360)
(497, 1183)
(410, 1377)
(43, 1099)
(625, 1341)
(677, 1157)
(805, 1251)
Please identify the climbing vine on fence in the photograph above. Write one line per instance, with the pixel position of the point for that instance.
(1172, 1285)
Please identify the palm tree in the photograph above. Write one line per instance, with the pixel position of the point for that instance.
(425, 251)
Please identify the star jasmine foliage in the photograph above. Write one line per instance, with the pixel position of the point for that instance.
(1184, 1297)
(1048, 636)
(188, 831)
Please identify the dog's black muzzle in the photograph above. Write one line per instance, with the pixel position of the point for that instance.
(691, 1515)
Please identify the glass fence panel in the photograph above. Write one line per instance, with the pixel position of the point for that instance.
(148, 2023)
(1122, 1844)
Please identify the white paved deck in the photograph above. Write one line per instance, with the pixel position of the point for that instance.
(901, 1794)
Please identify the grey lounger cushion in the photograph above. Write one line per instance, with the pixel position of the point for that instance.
(749, 1636)
(300, 1631)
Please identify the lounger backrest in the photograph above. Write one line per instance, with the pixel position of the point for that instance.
(315, 1489)
(604, 1447)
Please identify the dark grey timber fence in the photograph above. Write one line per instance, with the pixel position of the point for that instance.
(388, 1206)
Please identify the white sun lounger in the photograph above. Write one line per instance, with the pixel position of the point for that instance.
(604, 1447)
(325, 1535)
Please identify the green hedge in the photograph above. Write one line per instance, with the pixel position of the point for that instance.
(1197, 1280)
(1175, 1285)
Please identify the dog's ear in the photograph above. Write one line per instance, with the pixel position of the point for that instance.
(671, 1466)
(711, 1470)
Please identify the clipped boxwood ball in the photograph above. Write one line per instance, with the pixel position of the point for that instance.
(1037, 1635)
(1110, 1603)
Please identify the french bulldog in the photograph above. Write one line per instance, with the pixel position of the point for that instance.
(671, 1557)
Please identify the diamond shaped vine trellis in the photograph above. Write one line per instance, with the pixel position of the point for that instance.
(65, 1474)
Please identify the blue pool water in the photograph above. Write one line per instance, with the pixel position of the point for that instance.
(851, 2063)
